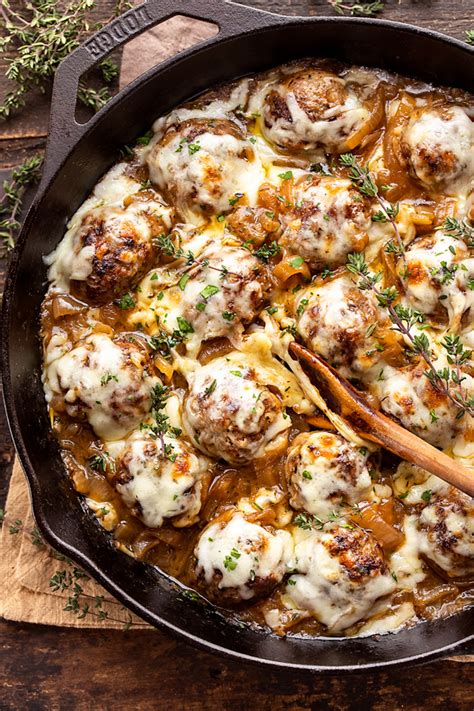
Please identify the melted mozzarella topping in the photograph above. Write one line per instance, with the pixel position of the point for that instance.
(161, 486)
(100, 379)
(241, 553)
(328, 223)
(73, 259)
(333, 321)
(230, 414)
(220, 297)
(325, 586)
(439, 271)
(324, 472)
(409, 396)
(330, 131)
(441, 146)
(446, 529)
(405, 562)
(206, 178)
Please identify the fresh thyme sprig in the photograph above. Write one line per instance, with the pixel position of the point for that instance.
(67, 579)
(446, 380)
(167, 246)
(39, 37)
(367, 9)
(24, 175)
(161, 425)
(362, 179)
(459, 229)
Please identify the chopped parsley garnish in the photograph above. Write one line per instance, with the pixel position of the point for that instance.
(154, 276)
(209, 291)
(183, 281)
(234, 200)
(183, 325)
(306, 474)
(125, 302)
(230, 563)
(210, 388)
(107, 378)
(228, 315)
(145, 139)
(201, 306)
(296, 262)
(266, 251)
(220, 218)
(286, 176)
(426, 495)
(271, 310)
(193, 148)
(237, 373)
(301, 306)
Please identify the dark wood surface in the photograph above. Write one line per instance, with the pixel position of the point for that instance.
(49, 668)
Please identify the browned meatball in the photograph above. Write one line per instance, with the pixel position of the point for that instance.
(237, 560)
(329, 220)
(253, 225)
(333, 320)
(107, 382)
(230, 414)
(202, 164)
(438, 144)
(311, 108)
(121, 250)
(341, 572)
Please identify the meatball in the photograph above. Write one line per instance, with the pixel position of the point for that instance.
(107, 382)
(202, 165)
(329, 221)
(408, 395)
(324, 471)
(229, 414)
(237, 560)
(253, 225)
(225, 292)
(309, 109)
(340, 573)
(437, 145)
(436, 276)
(337, 320)
(109, 244)
(446, 529)
(160, 481)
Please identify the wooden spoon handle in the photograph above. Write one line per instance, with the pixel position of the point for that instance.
(376, 427)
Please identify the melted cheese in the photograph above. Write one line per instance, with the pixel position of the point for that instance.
(96, 377)
(329, 222)
(324, 472)
(323, 586)
(242, 552)
(209, 176)
(448, 137)
(230, 414)
(162, 486)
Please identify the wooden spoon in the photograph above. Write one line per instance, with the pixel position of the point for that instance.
(372, 425)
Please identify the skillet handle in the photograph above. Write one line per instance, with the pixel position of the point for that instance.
(64, 131)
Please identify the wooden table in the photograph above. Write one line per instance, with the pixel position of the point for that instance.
(50, 668)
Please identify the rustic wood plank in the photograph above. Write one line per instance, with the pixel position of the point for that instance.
(49, 668)
(56, 668)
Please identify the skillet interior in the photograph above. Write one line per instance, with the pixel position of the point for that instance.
(150, 594)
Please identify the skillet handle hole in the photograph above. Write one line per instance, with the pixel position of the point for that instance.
(122, 66)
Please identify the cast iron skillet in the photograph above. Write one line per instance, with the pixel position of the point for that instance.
(77, 155)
